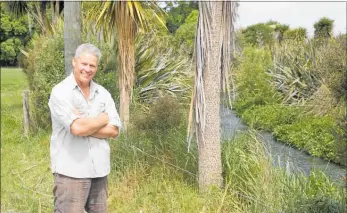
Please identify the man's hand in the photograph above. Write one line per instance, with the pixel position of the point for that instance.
(88, 126)
(103, 117)
(108, 131)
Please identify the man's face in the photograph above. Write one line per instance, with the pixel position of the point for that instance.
(85, 68)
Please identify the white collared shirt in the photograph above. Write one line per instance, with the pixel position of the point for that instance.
(79, 156)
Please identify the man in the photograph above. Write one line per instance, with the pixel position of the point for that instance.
(83, 116)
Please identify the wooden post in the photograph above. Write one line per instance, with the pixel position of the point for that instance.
(26, 111)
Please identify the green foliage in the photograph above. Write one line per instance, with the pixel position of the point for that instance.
(178, 13)
(159, 131)
(268, 117)
(250, 176)
(332, 66)
(185, 34)
(259, 34)
(314, 135)
(279, 29)
(252, 80)
(14, 34)
(323, 28)
(245, 167)
(297, 34)
(44, 67)
(319, 204)
(160, 70)
(294, 71)
(165, 114)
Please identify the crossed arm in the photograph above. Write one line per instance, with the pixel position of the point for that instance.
(98, 127)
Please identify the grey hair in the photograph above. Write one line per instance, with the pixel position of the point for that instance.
(88, 48)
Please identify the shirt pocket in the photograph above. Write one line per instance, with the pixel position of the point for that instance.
(80, 106)
(98, 107)
(102, 106)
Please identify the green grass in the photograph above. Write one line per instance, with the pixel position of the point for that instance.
(147, 183)
(25, 177)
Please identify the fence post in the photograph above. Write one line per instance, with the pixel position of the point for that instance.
(26, 111)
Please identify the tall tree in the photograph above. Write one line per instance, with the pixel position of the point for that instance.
(72, 31)
(213, 60)
(323, 28)
(125, 18)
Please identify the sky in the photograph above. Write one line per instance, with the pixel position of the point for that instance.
(294, 14)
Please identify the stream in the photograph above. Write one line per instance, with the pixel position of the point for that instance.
(282, 154)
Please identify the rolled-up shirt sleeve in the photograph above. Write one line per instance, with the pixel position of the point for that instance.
(112, 112)
(61, 110)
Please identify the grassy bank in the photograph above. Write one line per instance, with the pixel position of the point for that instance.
(152, 172)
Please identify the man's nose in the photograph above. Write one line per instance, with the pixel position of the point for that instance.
(88, 68)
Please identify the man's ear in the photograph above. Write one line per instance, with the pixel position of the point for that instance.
(73, 62)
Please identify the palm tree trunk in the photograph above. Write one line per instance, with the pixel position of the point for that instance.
(124, 107)
(72, 32)
(210, 166)
(127, 75)
(126, 31)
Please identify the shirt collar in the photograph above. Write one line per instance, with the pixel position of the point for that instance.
(72, 81)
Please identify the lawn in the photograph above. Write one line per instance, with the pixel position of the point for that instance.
(26, 183)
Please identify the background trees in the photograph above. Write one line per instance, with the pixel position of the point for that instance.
(323, 28)
(178, 12)
(14, 35)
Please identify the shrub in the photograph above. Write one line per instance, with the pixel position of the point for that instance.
(269, 116)
(314, 134)
(253, 87)
(44, 67)
(164, 115)
(332, 65)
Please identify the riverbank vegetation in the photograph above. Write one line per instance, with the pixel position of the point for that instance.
(286, 90)
(290, 87)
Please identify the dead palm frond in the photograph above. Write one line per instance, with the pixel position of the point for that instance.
(196, 121)
(229, 15)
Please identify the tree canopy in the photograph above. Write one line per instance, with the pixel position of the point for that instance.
(177, 13)
(323, 28)
(14, 34)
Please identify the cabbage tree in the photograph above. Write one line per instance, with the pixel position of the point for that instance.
(124, 19)
(213, 45)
